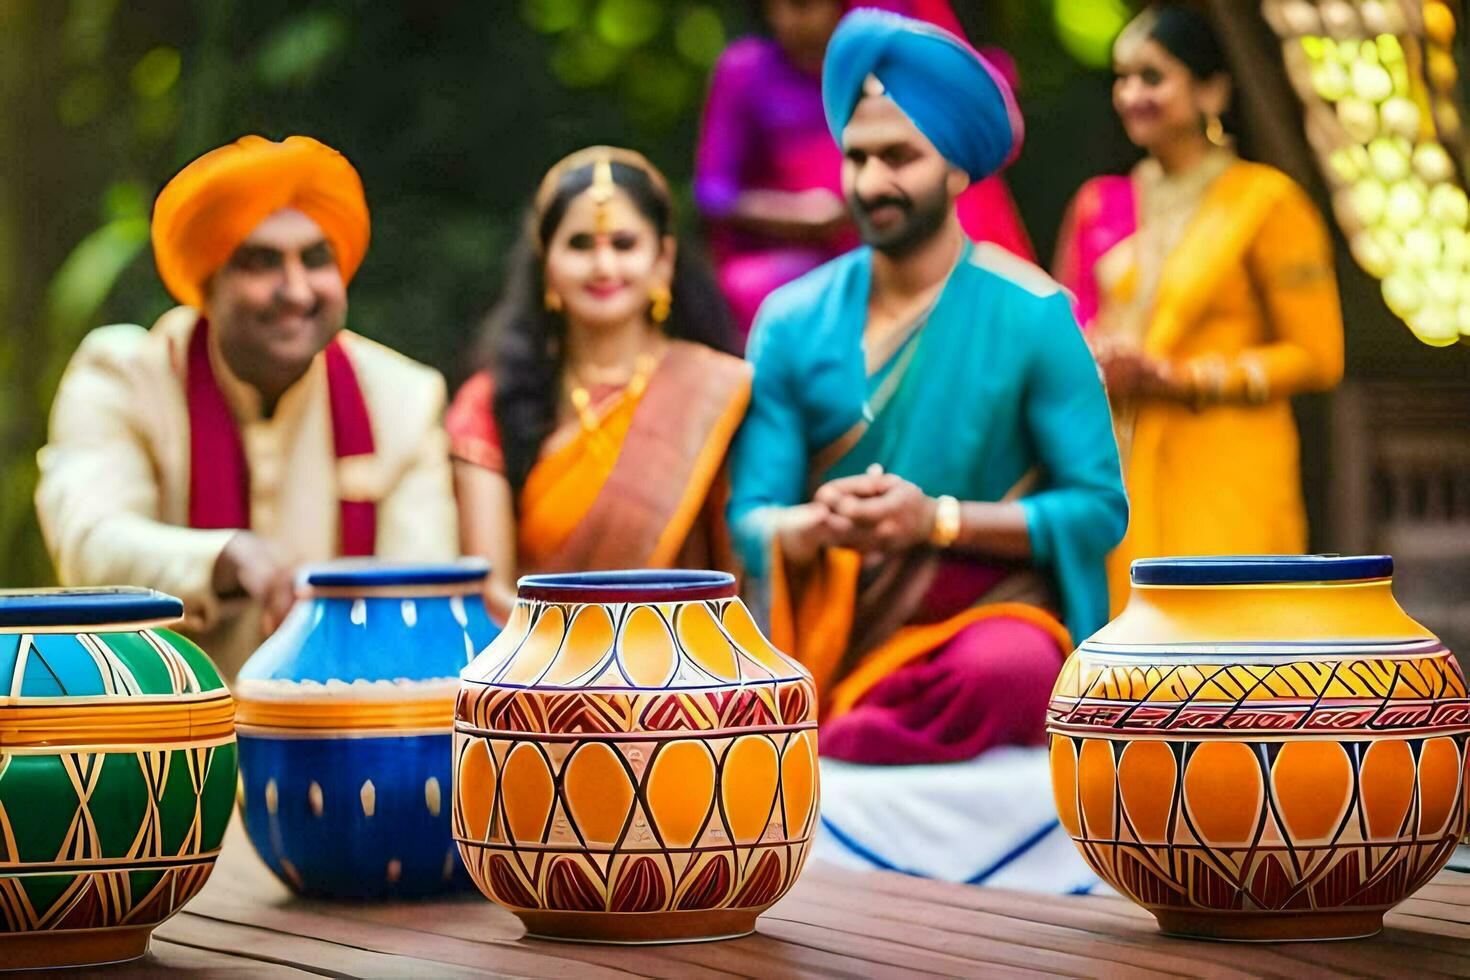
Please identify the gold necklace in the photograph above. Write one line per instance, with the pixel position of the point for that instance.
(581, 397)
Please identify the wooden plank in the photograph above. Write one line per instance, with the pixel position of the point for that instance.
(308, 921)
(1117, 918)
(921, 934)
(756, 955)
(1379, 956)
(1427, 930)
(1024, 934)
(1430, 909)
(246, 886)
(476, 919)
(1106, 918)
(1436, 942)
(1445, 891)
(176, 960)
(317, 956)
(886, 953)
(244, 878)
(183, 960)
(835, 923)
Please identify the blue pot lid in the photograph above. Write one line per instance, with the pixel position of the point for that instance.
(358, 573)
(630, 585)
(1260, 569)
(85, 607)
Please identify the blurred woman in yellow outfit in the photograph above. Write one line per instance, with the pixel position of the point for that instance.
(1206, 287)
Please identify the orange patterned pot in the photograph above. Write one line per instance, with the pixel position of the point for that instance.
(634, 762)
(1262, 748)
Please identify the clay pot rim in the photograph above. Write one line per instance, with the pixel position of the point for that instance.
(1260, 569)
(373, 573)
(119, 606)
(628, 585)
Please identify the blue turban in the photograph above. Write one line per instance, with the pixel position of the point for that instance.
(946, 89)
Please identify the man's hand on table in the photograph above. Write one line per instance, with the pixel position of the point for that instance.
(250, 565)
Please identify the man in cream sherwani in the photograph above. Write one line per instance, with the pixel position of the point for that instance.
(246, 433)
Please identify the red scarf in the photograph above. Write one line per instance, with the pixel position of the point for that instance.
(219, 476)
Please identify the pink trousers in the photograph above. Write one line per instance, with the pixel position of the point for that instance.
(987, 686)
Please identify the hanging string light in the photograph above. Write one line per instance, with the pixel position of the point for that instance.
(1378, 82)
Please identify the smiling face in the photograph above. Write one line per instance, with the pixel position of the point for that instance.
(278, 301)
(898, 186)
(604, 271)
(1157, 97)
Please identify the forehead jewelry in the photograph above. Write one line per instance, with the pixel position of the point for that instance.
(602, 192)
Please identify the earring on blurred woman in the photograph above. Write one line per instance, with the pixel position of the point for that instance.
(1215, 129)
(552, 301)
(661, 299)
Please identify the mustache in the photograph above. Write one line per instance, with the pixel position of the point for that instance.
(887, 200)
(279, 309)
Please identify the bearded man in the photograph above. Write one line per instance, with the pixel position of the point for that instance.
(926, 478)
(247, 432)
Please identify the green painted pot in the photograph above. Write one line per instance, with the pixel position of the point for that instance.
(117, 773)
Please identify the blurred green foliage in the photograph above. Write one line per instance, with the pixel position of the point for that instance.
(450, 109)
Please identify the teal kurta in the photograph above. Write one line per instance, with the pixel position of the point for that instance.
(1000, 382)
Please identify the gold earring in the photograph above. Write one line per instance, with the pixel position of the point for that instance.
(1214, 129)
(662, 300)
(552, 301)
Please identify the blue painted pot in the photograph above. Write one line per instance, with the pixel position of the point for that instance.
(344, 721)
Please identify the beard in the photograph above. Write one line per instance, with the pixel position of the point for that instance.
(919, 221)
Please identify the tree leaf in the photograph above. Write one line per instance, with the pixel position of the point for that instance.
(88, 274)
(297, 51)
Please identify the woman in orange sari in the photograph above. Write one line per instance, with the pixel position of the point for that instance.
(595, 437)
(1205, 285)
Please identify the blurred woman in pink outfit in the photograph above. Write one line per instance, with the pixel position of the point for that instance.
(767, 175)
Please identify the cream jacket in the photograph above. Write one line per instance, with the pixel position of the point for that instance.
(113, 498)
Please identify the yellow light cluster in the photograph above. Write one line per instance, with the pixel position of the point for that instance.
(1377, 79)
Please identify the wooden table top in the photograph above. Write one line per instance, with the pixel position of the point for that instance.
(834, 923)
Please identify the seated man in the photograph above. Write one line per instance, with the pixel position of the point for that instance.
(926, 478)
(247, 432)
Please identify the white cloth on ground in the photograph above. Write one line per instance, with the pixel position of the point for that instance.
(990, 820)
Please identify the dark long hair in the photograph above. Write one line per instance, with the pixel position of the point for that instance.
(1188, 35)
(523, 343)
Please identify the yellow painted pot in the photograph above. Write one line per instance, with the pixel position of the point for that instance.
(1262, 748)
(633, 761)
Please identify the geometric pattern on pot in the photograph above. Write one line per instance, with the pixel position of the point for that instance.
(637, 824)
(1322, 777)
(1262, 747)
(1320, 825)
(632, 744)
(495, 709)
(117, 772)
(1403, 687)
(93, 840)
(678, 645)
(132, 664)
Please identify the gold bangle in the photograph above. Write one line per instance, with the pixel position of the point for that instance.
(946, 528)
(1207, 379)
(1257, 385)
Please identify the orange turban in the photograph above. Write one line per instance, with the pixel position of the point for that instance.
(214, 203)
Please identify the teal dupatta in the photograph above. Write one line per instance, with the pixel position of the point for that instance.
(999, 382)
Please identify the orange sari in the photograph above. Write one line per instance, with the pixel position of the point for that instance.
(645, 489)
